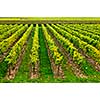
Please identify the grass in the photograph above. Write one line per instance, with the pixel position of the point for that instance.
(45, 66)
(3, 70)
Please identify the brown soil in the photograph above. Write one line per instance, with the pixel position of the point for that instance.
(12, 70)
(75, 67)
(34, 70)
(57, 69)
(3, 56)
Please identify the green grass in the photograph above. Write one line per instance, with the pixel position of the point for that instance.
(45, 66)
(69, 75)
(3, 70)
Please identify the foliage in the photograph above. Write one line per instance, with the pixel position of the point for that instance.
(35, 46)
(58, 58)
(16, 49)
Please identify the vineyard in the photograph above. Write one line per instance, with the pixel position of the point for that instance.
(50, 53)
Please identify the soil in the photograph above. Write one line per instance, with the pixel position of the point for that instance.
(57, 69)
(12, 70)
(75, 67)
(34, 70)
